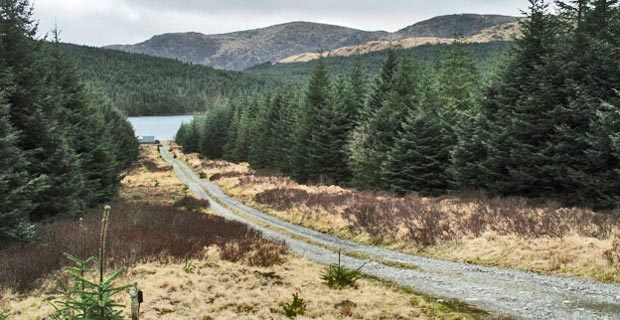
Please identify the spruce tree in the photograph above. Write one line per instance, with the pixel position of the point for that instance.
(518, 111)
(419, 158)
(372, 140)
(15, 182)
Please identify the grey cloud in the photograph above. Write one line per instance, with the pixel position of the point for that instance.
(151, 17)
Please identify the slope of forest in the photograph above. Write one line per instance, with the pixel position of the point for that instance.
(241, 50)
(145, 85)
(298, 73)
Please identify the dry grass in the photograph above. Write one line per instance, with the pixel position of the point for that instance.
(151, 180)
(230, 275)
(218, 289)
(505, 232)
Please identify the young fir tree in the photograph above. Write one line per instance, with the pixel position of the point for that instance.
(355, 92)
(380, 130)
(419, 158)
(281, 131)
(323, 160)
(364, 159)
(261, 141)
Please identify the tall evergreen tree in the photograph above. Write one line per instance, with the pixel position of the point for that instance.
(15, 182)
(518, 111)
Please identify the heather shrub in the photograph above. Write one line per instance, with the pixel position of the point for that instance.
(138, 233)
(230, 174)
(191, 204)
(429, 221)
(263, 253)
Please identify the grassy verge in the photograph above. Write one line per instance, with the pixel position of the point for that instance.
(474, 228)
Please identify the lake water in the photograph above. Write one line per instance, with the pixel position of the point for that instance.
(162, 127)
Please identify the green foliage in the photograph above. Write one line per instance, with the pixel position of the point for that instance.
(65, 146)
(337, 276)
(298, 74)
(189, 267)
(86, 298)
(143, 85)
(295, 308)
(4, 315)
(540, 122)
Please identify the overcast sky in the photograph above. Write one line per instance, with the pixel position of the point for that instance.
(103, 22)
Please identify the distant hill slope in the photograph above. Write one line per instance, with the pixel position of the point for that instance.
(503, 32)
(241, 50)
(146, 85)
(446, 26)
(298, 73)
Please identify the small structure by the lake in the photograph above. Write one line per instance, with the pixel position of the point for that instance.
(146, 139)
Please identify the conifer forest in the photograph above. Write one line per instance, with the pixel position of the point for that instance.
(541, 121)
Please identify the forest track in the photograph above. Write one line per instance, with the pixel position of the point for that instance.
(502, 292)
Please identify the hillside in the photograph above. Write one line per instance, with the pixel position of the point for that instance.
(146, 85)
(446, 26)
(298, 72)
(240, 50)
(503, 32)
(244, 49)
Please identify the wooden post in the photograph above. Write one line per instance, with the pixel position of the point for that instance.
(134, 294)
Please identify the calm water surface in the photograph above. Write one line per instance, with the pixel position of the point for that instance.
(162, 127)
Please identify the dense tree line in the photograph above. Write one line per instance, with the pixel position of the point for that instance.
(299, 73)
(543, 122)
(145, 85)
(62, 146)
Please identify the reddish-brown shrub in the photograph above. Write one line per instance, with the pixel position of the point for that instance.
(286, 198)
(230, 174)
(612, 255)
(191, 204)
(137, 233)
(151, 166)
(428, 221)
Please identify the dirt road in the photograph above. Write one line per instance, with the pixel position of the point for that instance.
(504, 292)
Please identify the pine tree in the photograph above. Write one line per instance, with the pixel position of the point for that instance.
(517, 111)
(15, 182)
(281, 131)
(319, 101)
(261, 142)
(42, 137)
(372, 140)
(419, 158)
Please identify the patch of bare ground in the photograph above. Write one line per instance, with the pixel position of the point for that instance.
(473, 228)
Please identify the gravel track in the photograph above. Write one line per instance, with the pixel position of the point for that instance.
(503, 292)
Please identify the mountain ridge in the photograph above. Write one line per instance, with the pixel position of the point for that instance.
(240, 50)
